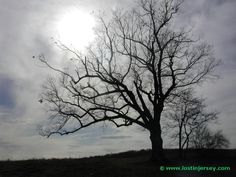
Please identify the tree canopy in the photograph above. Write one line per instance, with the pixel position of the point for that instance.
(138, 63)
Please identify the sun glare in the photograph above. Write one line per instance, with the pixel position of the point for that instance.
(75, 29)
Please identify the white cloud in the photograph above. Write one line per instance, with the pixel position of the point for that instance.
(26, 29)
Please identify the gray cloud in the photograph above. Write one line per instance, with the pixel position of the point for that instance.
(26, 29)
(8, 146)
(116, 137)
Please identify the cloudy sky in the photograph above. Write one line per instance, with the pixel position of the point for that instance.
(27, 28)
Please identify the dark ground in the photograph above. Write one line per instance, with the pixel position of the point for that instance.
(127, 164)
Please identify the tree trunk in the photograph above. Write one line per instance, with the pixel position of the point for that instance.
(157, 144)
(180, 142)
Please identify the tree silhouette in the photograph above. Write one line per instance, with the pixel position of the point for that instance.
(203, 138)
(137, 64)
(187, 115)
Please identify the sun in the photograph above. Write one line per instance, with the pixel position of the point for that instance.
(75, 28)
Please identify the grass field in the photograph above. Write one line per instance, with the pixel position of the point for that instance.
(127, 164)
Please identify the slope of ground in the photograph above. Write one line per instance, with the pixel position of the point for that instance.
(128, 164)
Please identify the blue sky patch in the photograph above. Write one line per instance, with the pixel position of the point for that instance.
(6, 93)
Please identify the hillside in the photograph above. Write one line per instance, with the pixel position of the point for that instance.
(127, 164)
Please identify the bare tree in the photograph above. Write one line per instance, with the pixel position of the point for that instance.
(137, 64)
(187, 114)
(203, 138)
